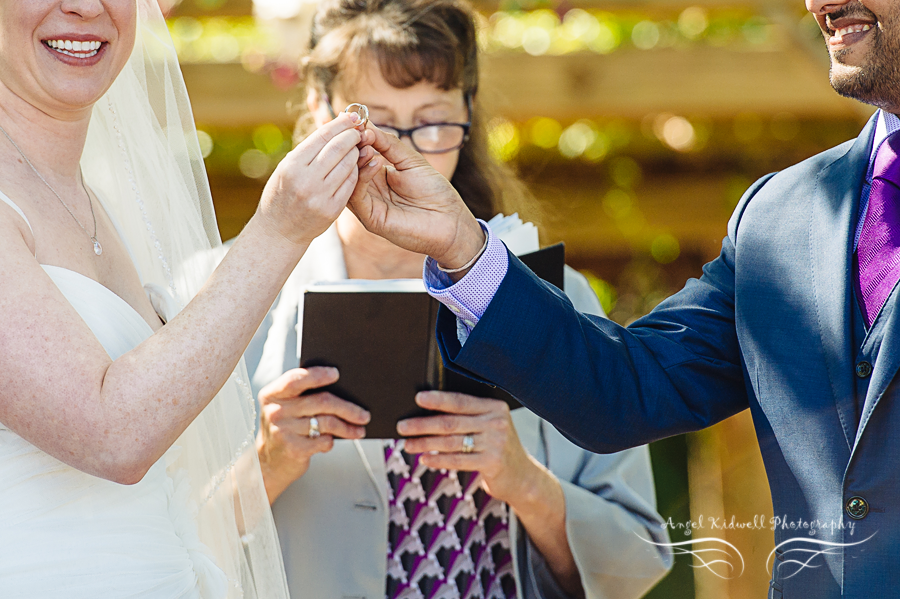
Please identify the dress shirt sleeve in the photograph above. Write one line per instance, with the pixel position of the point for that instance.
(469, 297)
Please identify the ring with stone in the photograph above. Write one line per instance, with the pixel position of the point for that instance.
(360, 109)
(314, 428)
(468, 444)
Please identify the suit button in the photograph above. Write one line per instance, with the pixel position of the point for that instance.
(857, 508)
(863, 370)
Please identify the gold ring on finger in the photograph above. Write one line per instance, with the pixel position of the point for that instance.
(468, 444)
(314, 431)
(359, 109)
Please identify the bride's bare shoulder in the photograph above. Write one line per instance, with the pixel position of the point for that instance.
(15, 225)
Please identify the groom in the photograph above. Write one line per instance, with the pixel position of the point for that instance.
(795, 320)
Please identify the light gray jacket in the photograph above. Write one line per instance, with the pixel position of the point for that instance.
(333, 522)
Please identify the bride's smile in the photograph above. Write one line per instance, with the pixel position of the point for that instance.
(82, 51)
(62, 55)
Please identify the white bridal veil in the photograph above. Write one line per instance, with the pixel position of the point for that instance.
(142, 156)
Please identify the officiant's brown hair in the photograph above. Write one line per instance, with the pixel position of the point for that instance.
(415, 41)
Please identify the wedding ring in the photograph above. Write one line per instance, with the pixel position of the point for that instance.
(468, 444)
(362, 110)
(314, 428)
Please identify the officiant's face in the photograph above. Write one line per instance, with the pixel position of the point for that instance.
(62, 55)
(423, 103)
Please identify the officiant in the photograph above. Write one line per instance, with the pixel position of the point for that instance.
(511, 509)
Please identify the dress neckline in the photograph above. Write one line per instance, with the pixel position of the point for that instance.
(109, 292)
(8, 201)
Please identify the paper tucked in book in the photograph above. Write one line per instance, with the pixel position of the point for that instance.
(380, 335)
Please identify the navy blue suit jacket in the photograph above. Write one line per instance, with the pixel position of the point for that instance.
(767, 327)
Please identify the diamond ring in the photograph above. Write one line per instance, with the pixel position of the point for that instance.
(314, 428)
(468, 444)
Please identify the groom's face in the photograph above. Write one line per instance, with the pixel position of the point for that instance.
(863, 39)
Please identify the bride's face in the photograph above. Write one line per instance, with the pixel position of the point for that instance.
(62, 55)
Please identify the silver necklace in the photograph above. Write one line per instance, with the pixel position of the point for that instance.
(98, 249)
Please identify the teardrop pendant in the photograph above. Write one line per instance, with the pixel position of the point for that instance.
(98, 249)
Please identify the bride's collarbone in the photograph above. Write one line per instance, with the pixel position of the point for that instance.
(73, 250)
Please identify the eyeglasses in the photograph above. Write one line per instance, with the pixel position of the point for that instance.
(434, 138)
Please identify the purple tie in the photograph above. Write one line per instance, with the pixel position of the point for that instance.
(878, 253)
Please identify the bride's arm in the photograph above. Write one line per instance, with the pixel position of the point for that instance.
(114, 419)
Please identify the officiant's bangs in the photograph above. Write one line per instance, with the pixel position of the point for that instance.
(412, 41)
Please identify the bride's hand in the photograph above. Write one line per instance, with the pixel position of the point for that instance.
(400, 197)
(312, 184)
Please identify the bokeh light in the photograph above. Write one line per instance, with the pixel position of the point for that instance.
(544, 132)
(577, 138)
(665, 249)
(206, 143)
(503, 140)
(254, 164)
(645, 35)
(676, 132)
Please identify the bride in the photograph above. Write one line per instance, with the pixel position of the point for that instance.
(126, 458)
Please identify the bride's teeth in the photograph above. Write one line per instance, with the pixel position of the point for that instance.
(75, 48)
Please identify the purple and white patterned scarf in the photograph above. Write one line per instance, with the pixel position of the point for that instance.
(447, 538)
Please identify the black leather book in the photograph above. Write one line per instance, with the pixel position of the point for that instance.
(380, 336)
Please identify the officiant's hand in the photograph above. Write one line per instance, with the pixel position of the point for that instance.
(508, 472)
(284, 443)
(400, 197)
(311, 185)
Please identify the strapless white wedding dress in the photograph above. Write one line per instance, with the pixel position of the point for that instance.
(67, 534)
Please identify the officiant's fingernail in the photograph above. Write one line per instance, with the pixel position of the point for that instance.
(354, 117)
(422, 397)
(402, 427)
(373, 163)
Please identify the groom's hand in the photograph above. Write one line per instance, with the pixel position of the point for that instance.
(400, 197)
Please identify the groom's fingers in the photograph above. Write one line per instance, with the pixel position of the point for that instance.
(366, 154)
(367, 173)
(393, 149)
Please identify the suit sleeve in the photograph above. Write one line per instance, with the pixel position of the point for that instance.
(607, 387)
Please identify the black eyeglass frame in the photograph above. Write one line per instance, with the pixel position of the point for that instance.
(401, 133)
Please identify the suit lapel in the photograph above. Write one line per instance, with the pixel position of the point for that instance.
(831, 231)
(886, 366)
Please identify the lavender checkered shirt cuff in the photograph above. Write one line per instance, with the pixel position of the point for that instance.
(469, 297)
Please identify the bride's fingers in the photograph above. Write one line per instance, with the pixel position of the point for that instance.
(310, 147)
(342, 170)
(335, 151)
(344, 192)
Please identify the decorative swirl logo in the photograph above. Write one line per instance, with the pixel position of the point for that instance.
(827, 548)
(716, 559)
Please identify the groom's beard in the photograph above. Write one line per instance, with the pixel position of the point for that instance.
(877, 80)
